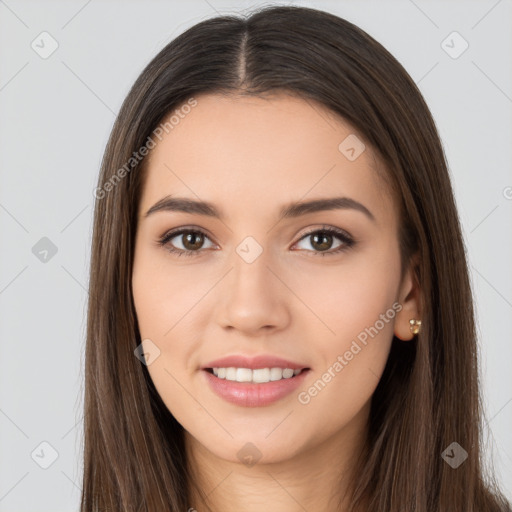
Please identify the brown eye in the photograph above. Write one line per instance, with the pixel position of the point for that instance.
(192, 242)
(322, 240)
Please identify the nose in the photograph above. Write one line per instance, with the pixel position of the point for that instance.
(252, 298)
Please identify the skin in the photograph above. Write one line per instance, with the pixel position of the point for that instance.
(251, 156)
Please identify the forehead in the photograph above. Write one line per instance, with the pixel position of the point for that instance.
(249, 152)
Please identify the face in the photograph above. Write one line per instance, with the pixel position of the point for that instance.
(316, 290)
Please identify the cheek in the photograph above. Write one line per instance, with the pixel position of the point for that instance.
(351, 296)
(158, 316)
(357, 305)
(164, 299)
(163, 295)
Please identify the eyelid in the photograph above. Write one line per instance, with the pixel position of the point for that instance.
(327, 228)
(346, 238)
(173, 233)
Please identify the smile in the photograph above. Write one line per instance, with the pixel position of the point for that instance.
(257, 387)
(257, 376)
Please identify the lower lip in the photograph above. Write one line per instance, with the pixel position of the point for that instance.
(249, 394)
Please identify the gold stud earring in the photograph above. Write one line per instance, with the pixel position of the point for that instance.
(415, 325)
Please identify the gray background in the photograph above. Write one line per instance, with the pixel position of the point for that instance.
(56, 116)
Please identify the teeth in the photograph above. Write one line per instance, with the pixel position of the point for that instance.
(257, 376)
(276, 374)
(243, 375)
(261, 375)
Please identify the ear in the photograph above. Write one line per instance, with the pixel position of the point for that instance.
(409, 297)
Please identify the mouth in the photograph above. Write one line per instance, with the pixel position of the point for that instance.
(256, 387)
(255, 375)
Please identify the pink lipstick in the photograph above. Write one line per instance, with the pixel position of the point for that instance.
(254, 381)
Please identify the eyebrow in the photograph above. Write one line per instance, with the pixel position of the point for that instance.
(291, 210)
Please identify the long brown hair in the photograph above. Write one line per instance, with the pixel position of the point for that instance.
(428, 396)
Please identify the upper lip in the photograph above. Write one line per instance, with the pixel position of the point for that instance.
(260, 361)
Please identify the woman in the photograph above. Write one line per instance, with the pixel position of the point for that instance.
(228, 367)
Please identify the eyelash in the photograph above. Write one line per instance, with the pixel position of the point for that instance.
(348, 242)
